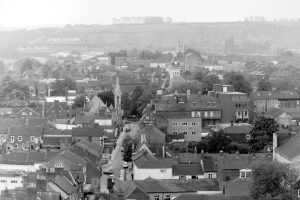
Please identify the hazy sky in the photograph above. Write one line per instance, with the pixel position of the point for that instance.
(34, 13)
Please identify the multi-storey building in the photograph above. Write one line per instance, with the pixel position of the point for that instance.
(264, 101)
(235, 106)
(188, 113)
(24, 138)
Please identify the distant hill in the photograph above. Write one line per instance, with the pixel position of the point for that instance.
(248, 37)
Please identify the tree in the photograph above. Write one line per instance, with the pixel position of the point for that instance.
(126, 104)
(264, 85)
(217, 141)
(262, 132)
(193, 87)
(240, 84)
(59, 86)
(79, 101)
(272, 180)
(26, 65)
(128, 143)
(11, 87)
(107, 97)
(209, 81)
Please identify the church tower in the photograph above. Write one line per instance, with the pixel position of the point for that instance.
(117, 94)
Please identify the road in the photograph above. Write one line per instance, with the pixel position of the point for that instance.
(116, 162)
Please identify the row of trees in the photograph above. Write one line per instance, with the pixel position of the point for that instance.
(134, 103)
(239, 82)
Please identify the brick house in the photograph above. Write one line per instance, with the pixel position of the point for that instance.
(188, 113)
(24, 138)
(235, 106)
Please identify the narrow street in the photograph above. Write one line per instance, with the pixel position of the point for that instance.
(116, 162)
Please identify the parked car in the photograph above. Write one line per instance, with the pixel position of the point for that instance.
(125, 165)
(108, 171)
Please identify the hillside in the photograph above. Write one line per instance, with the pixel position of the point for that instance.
(202, 36)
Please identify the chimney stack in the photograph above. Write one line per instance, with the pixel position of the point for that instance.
(237, 153)
(163, 151)
(188, 93)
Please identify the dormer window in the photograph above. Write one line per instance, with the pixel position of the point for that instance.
(20, 138)
(59, 165)
(245, 173)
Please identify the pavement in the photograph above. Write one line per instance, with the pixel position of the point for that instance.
(116, 162)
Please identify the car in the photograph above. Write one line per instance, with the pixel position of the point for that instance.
(108, 171)
(122, 172)
(127, 129)
(125, 165)
(122, 149)
(112, 176)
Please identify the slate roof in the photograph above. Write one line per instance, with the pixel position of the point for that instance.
(25, 131)
(238, 129)
(27, 157)
(63, 183)
(48, 195)
(187, 170)
(143, 163)
(261, 95)
(209, 197)
(238, 187)
(135, 192)
(177, 186)
(290, 149)
(241, 161)
(5, 123)
(88, 132)
(154, 136)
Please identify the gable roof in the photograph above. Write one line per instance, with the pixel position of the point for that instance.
(187, 169)
(153, 135)
(144, 163)
(261, 95)
(88, 132)
(241, 161)
(209, 197)
(177, 186)
(25, 131)
(290, 149)
(238, 187)
(5, 123)
(238, 129)
(26, 158)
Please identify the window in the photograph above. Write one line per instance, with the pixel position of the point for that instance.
(32, 138)
(16, 145)
(24, 113)
(3, 181)
(163, 170)
(210, 175)
(193, 114)
(194, 123)
(156, 197)
(193, 133)
(211, 113)
(32, 185)
(245, 113)
(248, 137)
(174, 133)
(245, 173)
(175, 123)
(59, 165)
(199, 114)
(208, 104)
(52, 170)
(167, 197)
(12, 138)
(205, 114)
(184, 123)
(13, 181)
(184, 132)
(20, 138)
(213, 104)
(194, 104)
(30, 113)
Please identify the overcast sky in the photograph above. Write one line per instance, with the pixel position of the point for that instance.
(36, 13)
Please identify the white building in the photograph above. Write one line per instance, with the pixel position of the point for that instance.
(11, 179)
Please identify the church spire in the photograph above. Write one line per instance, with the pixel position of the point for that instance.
(117, 94)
